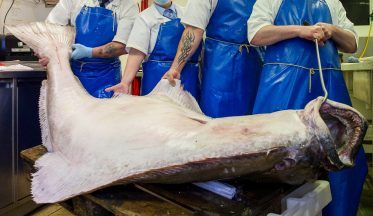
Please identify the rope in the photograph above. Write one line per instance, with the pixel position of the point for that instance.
(320, 71)
(247, 46)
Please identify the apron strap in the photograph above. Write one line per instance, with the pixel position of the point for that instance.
(189, 62)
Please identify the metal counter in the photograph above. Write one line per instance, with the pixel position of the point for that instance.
(19, 130)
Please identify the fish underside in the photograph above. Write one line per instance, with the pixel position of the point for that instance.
(165, 138)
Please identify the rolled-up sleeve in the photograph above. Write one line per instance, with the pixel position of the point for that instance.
(125, 21)
(342, 21)
(61, 13)
(264, 14)
(140, 36)
(198, 13)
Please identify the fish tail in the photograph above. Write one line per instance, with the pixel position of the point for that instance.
(40, 36)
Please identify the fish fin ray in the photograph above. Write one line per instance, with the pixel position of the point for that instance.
(43, 117)
(177, 94)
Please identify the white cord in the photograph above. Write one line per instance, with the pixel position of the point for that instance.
(320, 70)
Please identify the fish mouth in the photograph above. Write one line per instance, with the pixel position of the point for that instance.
(346, 129)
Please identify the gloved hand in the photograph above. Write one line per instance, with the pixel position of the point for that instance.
(81, 51)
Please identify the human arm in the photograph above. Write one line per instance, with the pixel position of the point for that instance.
(271, 34)
(195, 18)
(189, 43)
(342, 31)
(138, 47)
(135, 58)
(125, 16)
(263, 32)
(109, 50)
(344, 40)
(60, 15)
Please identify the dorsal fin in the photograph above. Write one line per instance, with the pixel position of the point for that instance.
(177, 94)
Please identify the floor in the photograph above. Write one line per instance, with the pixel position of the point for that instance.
(52, 210)
(366, 205)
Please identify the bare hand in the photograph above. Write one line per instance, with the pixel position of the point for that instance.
(327, 29)
(171, 75)
(122, 87)
(312, 33)
(44, 61)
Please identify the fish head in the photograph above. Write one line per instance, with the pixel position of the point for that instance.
(339, 131)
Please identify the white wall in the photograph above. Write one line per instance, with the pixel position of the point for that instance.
(23, 11)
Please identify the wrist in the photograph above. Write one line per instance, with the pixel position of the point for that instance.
(297, 30)
(89, 52)
(333, 30)
(126, 81)
(175, 70)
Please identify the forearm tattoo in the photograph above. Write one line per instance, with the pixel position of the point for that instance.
(186, 47)
(109, 50)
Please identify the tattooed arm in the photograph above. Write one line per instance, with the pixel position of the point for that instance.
(188, 45)
(109, 50)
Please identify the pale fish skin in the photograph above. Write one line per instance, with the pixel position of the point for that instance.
(165, 138)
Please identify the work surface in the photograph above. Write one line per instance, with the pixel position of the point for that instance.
(185, 199)
(37, 72)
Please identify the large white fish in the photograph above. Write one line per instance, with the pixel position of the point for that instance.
(165, 138)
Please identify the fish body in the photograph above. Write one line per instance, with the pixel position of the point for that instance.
(165, 138)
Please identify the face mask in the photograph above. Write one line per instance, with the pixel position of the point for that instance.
(161, 2)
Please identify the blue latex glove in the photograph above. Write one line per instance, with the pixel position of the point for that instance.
(352, 59)
(81, 51)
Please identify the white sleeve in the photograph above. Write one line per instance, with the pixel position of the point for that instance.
(125, 21)
(61, 13)
(140, 36)
(198, 13)
(342, 21)
(264, 14)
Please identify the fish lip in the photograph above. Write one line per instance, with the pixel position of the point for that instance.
(358, 126)
(355, 127)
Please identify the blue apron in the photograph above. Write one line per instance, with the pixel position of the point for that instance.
(231, 68)
(96, 26)
(290, 80)
(160, 60)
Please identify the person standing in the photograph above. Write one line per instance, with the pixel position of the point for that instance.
(231, 67)
(290, 76)
(154, 38)
(102, 30)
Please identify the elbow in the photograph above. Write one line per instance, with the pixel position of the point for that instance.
(349, 47)
(256, 41)
(260, 39)
(353, 48)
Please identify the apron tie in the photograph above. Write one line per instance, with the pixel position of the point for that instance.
(247, 46)
(241, 46)
(311, 72)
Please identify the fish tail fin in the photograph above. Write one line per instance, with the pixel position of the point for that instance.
(41, 36)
